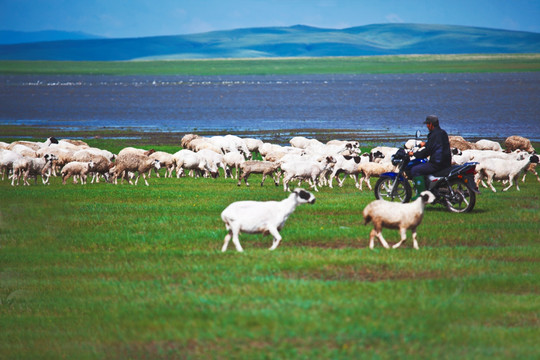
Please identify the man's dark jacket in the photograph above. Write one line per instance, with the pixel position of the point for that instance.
(437, 148)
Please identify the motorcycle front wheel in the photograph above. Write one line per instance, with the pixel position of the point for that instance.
(383, 190)
(462, 200)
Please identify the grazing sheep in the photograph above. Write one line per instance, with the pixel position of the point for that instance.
(501, 169)
(166, 161)
(266, 217)
(515, 142)
(391, 215)
(134, 163)
(460, 143)
(259, 167)
(76, 169)
(7, 158)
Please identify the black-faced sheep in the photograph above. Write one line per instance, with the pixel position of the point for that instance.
(266, 217)
(391, 215)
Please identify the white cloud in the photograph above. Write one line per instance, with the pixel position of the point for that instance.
(394, 18)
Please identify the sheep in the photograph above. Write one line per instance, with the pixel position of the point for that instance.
(484, 144)
(348, 165)
(303, 142)
(134, 163)
(266, 217)
(531, 168)
(308, 169)
(369, 169)
(233, 160)
(501, 169)
(391, 215)
(259, 167)
(102, 164)
(33, 167)
(460, 143)
(76, 168)
(515, 142)
(214, 161)
(187, 159)
(252, 144)
(382, 154)
(7, 158)
(166, 161)
(186, 139)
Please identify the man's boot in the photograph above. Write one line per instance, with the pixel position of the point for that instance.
(419, 185)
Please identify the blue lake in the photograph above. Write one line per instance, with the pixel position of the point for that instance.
(491, 105)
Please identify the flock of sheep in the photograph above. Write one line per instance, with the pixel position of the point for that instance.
(305, 160)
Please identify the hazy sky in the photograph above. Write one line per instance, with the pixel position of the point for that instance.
(139, 18)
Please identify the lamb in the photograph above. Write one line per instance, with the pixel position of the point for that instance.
(305, 169)
(369, 169)
(134, 163)
(76, 168)
(259, 167)
(391, 215)
(501, 169)
(267, 217)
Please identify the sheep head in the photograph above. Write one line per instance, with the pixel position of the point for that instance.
(304, 196)
(427, 197)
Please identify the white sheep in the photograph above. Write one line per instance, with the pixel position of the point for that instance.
(7, 158)
(369, 169)
(266, 217)
(307, 169)
(233, 160)
(190, 160)
(166, 161)
(484, 144)
(501, 169)
(392, 215)
(33, 167)
(348, 165)
(76, 169)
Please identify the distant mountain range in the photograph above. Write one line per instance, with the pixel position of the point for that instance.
(294, 41)
(20, 37)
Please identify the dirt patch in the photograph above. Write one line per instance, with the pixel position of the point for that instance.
(372, 273)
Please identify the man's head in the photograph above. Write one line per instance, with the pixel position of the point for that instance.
(432, 121)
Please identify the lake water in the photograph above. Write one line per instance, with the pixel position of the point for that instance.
(491, 105)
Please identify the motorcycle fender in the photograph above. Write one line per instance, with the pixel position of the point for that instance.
(471, 185)
(392, 175)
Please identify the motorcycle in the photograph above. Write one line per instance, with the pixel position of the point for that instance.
(453, 187)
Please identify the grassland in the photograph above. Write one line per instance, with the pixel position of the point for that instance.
(285, 66)
(117, 272)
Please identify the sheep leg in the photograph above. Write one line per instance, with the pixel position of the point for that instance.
(263, 178)
(226, 241)
(277, 238)
(511, 182)
(415, 242)
(368, 183)
(144, 177)
(377, 233)
(235, 231)
(490, 182)
(403, 232)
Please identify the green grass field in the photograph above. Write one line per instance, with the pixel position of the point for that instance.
(287, 66)
(134, 272)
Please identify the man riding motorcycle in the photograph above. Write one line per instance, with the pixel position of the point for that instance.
(437, 148)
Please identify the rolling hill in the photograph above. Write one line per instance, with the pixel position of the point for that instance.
(295, 41)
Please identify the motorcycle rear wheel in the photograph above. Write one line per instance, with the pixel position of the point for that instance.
(463, 199)
(383, 190)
